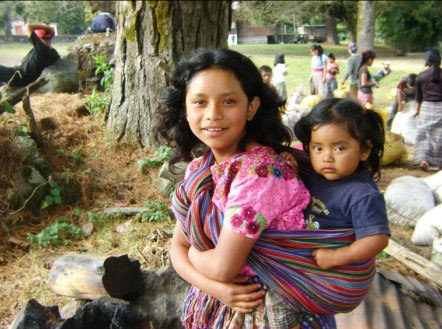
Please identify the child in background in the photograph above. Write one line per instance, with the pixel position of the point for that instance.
(386, 70)
(279, 73)
(345, 143)
(332, 70)
(365, 81)
(217, 98)
(266, 75)
(404, 93)
(319, 71)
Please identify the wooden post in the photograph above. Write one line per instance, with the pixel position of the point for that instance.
(32, 124)
(93, 276)
(17, 96)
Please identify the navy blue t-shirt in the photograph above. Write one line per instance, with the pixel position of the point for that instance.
(353, 202)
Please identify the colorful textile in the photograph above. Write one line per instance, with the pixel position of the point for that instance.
(428, 146)
(282, 259)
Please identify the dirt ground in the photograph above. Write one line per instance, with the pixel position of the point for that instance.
(109, 177)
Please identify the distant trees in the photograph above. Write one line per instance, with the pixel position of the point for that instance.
(410, 25)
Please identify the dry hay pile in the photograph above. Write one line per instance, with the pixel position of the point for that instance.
(77, 148)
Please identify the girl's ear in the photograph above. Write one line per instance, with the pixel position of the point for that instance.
(366, 150)
(252, 108)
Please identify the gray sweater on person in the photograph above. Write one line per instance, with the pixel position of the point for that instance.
(352, 68)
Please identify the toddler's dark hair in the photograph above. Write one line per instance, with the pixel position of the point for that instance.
(332, 56)
(365, 126)
(266, 127)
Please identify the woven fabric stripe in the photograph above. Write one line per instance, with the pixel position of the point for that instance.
(428, 144)
(282, 259)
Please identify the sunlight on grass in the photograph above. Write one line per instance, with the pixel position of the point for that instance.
(21, 49)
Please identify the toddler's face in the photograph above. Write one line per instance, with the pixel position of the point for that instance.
(334, 153)
(266, 77)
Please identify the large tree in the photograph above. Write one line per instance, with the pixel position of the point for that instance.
(366, 25)
(151, 37)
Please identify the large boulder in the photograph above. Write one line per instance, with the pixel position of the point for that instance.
(407, 199)
(62, 77)
(82, 53)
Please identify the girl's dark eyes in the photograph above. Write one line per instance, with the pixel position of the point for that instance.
(340, 148)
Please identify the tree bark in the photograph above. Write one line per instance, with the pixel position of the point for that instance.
(8, 25)
(366, 25)
(331, 31)
(151, 37)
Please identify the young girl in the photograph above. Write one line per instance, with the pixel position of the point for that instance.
(229, 196)
(332, 70)
(279, 73)
(319, 71)
(345, 143)
(365, 82)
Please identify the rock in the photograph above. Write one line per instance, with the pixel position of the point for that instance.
(28, 147)
(36, 316)
(168, 179)
(407, 199)
(82, 110)
(62, 77)
(163, 297)
(428, 227)
(107, 312)
(82, 53)
(71, 308)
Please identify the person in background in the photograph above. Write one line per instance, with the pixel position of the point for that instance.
(428, 97)
(279, 73)
(319, 71)
(266, 75)
(103, 22)
(353, 64)
(332, 70)
(365, 80)
(39, 57)
(383, 72)
(404, 93)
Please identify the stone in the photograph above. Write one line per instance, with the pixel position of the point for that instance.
(71, 308)
(407, 198)
(164, 294)
(36, 316)
(62, 76)
(165, 186)
(47, 124)
(178, 175)
(28, 147)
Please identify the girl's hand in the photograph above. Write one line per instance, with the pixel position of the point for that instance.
(291, 161)
(241, 298)
(325, 258)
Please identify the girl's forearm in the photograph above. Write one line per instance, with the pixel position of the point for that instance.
(205, 262)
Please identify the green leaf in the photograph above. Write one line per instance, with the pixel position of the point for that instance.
(55, 192)
(58, 200)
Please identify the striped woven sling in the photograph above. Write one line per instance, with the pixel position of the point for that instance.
(282, 259)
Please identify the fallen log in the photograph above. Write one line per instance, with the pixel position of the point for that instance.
(17, 96)
(416, 262)
(93, 276)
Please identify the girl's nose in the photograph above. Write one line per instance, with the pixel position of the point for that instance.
(213, 111)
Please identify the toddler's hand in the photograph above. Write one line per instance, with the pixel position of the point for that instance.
(291, 161)
(324, 258)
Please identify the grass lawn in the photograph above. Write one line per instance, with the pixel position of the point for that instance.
(298, 60)
(21, 49)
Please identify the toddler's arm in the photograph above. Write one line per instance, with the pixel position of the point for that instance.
(359, 251)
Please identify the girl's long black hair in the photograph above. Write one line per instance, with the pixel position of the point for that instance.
(365, 126)
(318, 48)
(366, 55)
(265, 128)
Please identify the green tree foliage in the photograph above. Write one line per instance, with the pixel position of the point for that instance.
(68, 15)
(410, 25)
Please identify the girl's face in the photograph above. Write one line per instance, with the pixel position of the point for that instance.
(314, 52)
(217, 110)
(370, 61)
(334, 153)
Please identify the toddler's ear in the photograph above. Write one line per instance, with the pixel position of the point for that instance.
(253, 107)
(366, 150)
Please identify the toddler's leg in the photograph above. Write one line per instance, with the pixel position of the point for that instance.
(280, 314)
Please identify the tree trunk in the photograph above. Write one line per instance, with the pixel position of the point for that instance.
(8, 25)
(331, 31)
(366, 25)
(151, 37)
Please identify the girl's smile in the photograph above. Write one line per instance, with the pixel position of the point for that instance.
(217, 110)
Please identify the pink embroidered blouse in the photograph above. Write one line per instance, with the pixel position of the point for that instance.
(256, 190)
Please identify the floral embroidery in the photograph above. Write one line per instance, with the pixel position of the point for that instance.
(248, 212)
(194, 164)
(262, 171)
(245, 221)
(234, 168)
(277, 172)
(287, 175)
